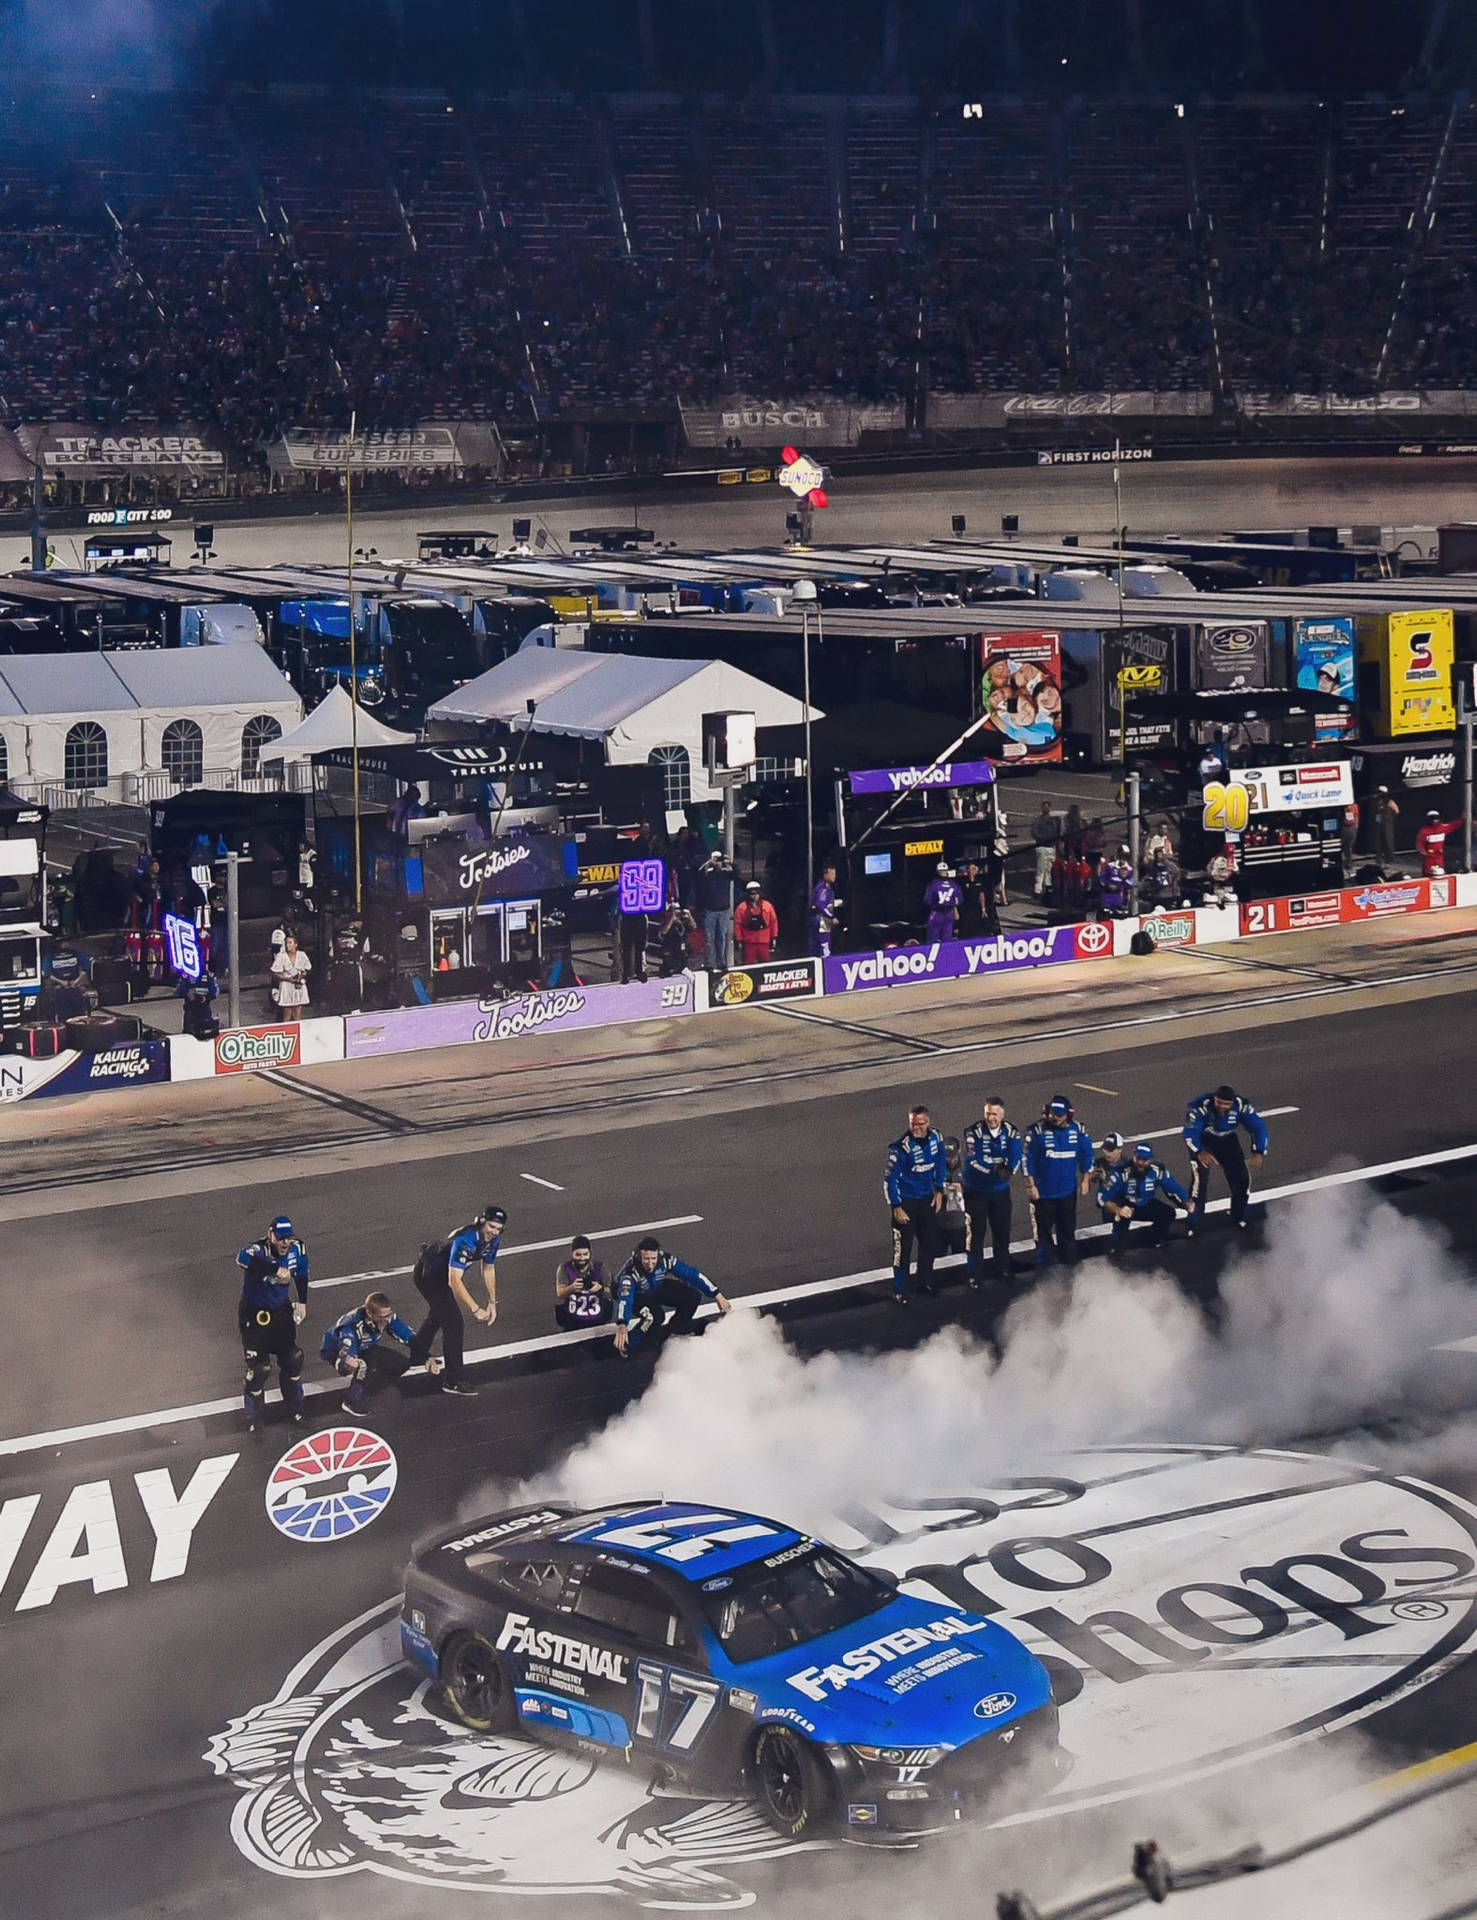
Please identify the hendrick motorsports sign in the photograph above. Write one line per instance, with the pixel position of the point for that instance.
(1177, 1649)
(962, 959)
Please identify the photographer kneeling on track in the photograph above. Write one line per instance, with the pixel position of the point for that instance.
(1211, 1123)
(1142, 1189)
(582, 1294)
(352, 1347)
(653, 1284)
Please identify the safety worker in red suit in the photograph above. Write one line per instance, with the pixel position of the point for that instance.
(1430, 844)
(756, 927)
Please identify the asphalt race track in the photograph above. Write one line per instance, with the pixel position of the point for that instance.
(202, 1711)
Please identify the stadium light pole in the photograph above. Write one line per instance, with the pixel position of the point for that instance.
(806, 598)
(353, 662)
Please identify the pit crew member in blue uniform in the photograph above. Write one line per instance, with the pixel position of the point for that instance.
(440, 1280)
(1140, 1188)
(1058, 1157)
(1212, 1121)
(353, 1346)
(582, 1293)
(992, 1157)
(914, 1189)
(273, 1269)
(653, 1284)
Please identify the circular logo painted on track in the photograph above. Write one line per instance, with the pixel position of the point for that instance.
(1199, 1608)
(331, 1484)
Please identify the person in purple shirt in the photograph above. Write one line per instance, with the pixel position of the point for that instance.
(942, 901)
(824, 908)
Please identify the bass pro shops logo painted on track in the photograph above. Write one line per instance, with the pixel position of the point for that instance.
(241, 1048)
(330, 1485)
(1321, 1592)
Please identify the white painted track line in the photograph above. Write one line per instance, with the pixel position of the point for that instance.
(778, 1296)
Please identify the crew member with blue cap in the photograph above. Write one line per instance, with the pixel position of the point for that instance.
(1058, 1161)
(273, 1269)
(1141, 1188)
(1212, 1133)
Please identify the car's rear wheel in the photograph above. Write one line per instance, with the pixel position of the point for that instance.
(476, 1684)
(791, 1782)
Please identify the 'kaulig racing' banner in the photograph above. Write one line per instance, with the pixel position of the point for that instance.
(136, 1063)
(963, 959)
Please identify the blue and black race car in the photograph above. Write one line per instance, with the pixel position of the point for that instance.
(738, 1656)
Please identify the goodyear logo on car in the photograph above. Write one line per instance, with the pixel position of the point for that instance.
(331, 1485)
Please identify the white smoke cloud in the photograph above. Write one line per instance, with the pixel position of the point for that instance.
(1329, 1326)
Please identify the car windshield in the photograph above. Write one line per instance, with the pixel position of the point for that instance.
(770, 1608)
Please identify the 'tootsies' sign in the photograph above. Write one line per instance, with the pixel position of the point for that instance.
(241, 1048)
(959, 959)
(450, 871)
(451, 1023)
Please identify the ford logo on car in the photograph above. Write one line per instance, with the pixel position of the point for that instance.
(993, 1705)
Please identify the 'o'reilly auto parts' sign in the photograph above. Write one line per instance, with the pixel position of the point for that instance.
(240, 1049)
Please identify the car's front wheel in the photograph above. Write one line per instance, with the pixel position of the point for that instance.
(476, 1684)
(792, 1783)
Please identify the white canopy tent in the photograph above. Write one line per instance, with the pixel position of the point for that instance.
(130, 725)
(644, 711)
(330, 727)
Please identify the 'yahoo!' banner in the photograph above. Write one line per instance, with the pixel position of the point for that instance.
(451, 1023)
(950, 773)
(960, 959)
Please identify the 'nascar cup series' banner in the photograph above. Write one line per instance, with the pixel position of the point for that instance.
(137, 1063)
(963, 959)
(452, 1023)
(458, 444)
(949, 773)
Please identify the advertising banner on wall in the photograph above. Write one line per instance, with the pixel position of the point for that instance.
(770, 980)
(448, 871)
(452, 1023)
(136, 1063)
(1328, 786)
(1232, 656)
(742, 422)
(1323, 662)
(1137, 660)
(1347, 906)
(964, 959)
(450, 447)
(66, 448)
(1021, 695)
(948, 773)
(1421, 652)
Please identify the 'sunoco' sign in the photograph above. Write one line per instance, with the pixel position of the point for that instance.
(1176, 1649)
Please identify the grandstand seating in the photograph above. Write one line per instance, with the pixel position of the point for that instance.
(277, 256)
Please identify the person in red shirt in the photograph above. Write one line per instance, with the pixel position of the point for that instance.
(1430, 844)
(756, 926)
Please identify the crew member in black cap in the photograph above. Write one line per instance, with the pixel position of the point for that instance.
(440, 1279)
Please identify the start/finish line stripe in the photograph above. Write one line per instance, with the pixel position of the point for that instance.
(778, 1296)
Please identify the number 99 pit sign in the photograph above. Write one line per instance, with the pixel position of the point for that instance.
(1199, 1608)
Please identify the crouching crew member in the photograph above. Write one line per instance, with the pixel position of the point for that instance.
(581, 1290)
(650, 1286)
(353, 1346)
(1058, 1158)
(1211, 1133)
(1140, 1188)
(992, 1157)
(273, 1269)
(914, 1189)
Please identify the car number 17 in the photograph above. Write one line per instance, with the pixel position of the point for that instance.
(672, 1709)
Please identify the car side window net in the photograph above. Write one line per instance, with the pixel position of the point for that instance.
(630, 1604)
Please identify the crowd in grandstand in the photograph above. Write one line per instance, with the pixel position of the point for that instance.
(258, 260)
